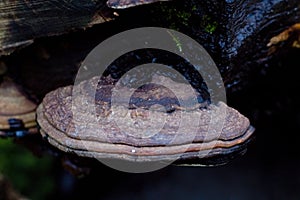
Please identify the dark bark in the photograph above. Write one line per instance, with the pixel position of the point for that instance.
(22, 21)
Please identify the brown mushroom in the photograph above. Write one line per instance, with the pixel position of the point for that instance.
(17, 112)
(148, 128)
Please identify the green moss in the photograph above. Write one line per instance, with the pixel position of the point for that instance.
(210, 28)
(176, 40)
(209, 25)
(194, 8)
(186, 16)
(29, 175)
(175, 16)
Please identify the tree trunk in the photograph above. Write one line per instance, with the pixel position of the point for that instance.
(22, 21)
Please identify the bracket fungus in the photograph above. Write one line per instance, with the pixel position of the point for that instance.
(147, 127)
(17, 112)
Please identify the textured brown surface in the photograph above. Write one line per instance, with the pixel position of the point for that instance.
(86, 125)
(14, 104)
(109, 135)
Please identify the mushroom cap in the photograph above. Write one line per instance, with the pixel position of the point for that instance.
(139, 130)
(15, 105)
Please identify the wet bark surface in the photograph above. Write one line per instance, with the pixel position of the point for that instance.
(234, 34)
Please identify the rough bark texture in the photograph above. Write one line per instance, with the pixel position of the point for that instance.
(22, 21)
